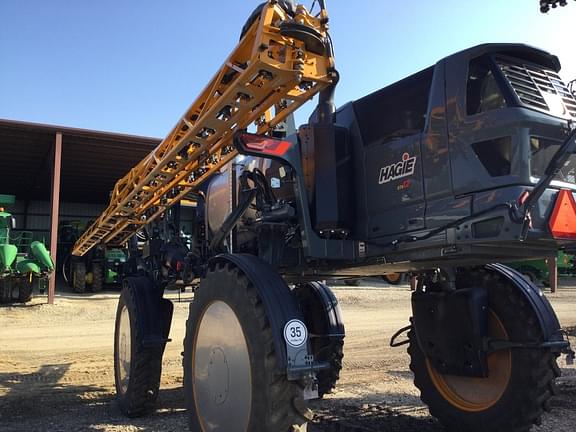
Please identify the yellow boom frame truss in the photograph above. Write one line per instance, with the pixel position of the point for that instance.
(266, 70)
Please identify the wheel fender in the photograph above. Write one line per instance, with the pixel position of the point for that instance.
(330, 307)
(547, 319)
(279, 303)
(154, 311)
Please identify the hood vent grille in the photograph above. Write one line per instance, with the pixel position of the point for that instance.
(539, 88)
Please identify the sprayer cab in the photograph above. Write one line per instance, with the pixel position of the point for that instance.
(466, 137)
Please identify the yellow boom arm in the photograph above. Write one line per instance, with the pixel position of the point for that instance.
(273, 66)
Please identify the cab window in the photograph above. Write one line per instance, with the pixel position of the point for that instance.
(483, 92)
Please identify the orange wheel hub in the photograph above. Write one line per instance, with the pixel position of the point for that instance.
(473, 394)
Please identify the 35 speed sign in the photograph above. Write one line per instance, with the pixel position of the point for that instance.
(295, 333)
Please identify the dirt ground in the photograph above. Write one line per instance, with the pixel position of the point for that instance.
(56, 368)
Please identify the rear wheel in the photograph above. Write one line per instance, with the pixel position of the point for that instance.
(137, 370)
(97, 277)
(392, 278)
(530, 276)
(352, 282)
(79, 277)
(322, 320)
(519, 384)
(231, 378)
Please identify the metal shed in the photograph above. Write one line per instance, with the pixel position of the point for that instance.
(57, 171)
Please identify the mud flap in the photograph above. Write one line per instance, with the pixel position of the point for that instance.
(329, 308)
(451, 328)
(154, 311)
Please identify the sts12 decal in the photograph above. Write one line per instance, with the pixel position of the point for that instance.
(397, 170)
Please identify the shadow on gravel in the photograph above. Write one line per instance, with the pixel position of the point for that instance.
(20, 305)
(346, 417)
(43, 400)
(42, 393)
(406, 374)
(171, 399)
(566, 385)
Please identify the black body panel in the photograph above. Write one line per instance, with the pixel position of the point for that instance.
(427, 172)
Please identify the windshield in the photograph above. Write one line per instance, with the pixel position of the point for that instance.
(542, 150)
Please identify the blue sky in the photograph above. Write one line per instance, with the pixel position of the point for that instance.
(134, 66)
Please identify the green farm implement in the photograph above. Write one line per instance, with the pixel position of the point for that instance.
(24, 264)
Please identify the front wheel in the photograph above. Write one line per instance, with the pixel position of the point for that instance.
(25, 287)
(137, 369)
(231, 378)
(520, 382)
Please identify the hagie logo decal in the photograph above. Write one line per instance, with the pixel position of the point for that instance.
(398, 170)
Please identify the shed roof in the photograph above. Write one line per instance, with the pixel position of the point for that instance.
(92, 161)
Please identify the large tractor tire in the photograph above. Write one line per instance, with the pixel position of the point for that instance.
(137, 369)
(231, 378)
(5, 291)
(79, 277)
(520, 382)
(353, 282)
(97, 277)
(530, 276)
(25, 288)
(322, 316)
(392, 278)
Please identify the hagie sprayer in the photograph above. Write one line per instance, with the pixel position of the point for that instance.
(442, 175)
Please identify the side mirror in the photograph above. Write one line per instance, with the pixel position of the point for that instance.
(13, 222)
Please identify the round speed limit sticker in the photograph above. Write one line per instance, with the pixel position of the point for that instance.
(295, 333)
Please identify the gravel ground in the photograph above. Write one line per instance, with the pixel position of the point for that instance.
(56, 368)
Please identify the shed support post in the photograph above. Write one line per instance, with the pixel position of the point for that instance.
(55, 212)
(553, 270)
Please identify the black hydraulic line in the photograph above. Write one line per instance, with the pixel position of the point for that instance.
(410, 239)
(312, 6)
(268, 192)
(396, 335)
(64, 265)
(232, 219)
(326, 105)
(261, 183)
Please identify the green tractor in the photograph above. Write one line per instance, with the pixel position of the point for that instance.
(537, 271)
(102, 266)
(24, 264)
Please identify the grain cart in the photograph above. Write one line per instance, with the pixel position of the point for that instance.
(442, 175)
(23, 266)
